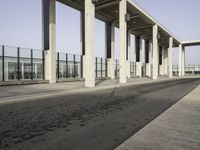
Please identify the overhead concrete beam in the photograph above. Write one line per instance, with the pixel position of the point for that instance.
(146, 15)
(191, 43)
(131, 17)
(106, 4)
(142, 27)
(134, 16)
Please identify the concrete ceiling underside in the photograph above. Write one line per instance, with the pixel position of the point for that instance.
(140, 23)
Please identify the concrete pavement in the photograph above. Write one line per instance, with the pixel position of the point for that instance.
(11, 94)
(97, 120)
(176, 129)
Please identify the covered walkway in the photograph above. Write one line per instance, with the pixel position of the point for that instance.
(128, 16)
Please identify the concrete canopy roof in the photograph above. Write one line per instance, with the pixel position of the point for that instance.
(191, 43)
(141, 22)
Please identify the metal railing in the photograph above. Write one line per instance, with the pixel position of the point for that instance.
(175, 69)
(133, 69)
(192, 69)
(189, 70)
(18, 63)
(69, 66)
(100, 67)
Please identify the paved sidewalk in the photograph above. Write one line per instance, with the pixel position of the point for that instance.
(20, 93)
(176, 129)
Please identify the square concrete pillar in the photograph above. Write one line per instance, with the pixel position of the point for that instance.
(170, 57)
(49, 38)
(128, 54)
(138, 44)
(161, 71)
(110, 40)
(183, 61)
(162, 62)
(155, 52)
(148, 59)
(165, 62)
(82, 41)
(180, 60)
(89, 44)
(148, 69)
(151, 59)
(138, 69)
(123, 42)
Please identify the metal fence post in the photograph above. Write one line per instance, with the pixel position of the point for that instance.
(3, 65)
(115, 67)
(101, 67)
(58, 65)
(43, 65)
(81, 66)
(66, 65)
(106, 67)
(96, 68)
(74, 66)
(18, 63)
(31, 64)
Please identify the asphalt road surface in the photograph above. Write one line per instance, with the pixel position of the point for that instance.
(99, 120)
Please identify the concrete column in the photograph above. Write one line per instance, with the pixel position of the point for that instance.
(134, 57)
(183, 61)
(138, 44)
(155, 52)
(162, 62)
(82, 40)
(123, 38)
(180, 60)
(147, 58)
(151, 59)
(165, 62)
(89, 44)
(49, 38)
(128, 54)
(170, 57)
(22, 70)
(110, 40)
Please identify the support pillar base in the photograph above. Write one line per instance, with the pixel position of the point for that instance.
(138, 69)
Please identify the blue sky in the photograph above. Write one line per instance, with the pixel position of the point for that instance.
(21, 25)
